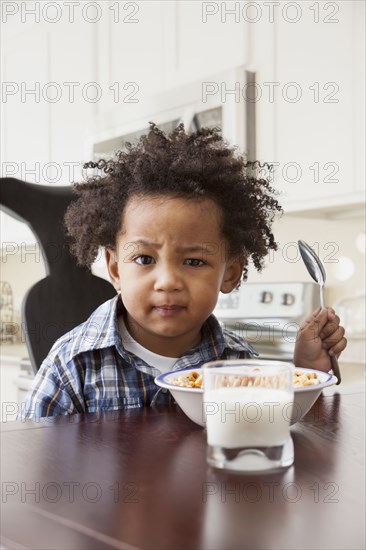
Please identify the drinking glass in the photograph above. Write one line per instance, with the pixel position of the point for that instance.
(248, 406)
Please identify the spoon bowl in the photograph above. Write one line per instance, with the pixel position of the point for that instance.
(314, 267)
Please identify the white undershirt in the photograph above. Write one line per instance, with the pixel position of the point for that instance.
(160, 362)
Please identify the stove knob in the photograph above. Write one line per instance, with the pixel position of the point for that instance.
(288, 299)
(266, 297)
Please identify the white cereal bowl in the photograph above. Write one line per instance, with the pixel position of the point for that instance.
(190, 400)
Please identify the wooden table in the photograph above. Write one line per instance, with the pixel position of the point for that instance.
(139, 479)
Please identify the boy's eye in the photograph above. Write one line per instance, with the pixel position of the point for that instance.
(194, 262)
(144, 259)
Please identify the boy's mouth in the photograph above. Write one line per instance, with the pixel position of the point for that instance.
(168, 310)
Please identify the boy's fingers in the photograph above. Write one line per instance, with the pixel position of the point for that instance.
(338, 348)
(330, 327)
(312, 316)
(325, 324)
(316, 321)
(333, 338)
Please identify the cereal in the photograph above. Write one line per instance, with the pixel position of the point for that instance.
(305, 378)
(194, 380)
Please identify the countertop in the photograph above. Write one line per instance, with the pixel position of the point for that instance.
(13, 353)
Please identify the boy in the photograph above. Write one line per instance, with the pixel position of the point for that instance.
(179, 218)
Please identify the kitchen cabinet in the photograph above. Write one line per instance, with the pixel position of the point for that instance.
(310, 80)
(202, 39)
(73, 67)
(50, 75)
(103, 65)
(157, 46)
(23, 116)
(129, 45)
(25, 112)
(162, 45)
(310, 113)
(48, 72)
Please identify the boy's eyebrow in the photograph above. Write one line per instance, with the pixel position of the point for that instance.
(193, 248)
(190, 248)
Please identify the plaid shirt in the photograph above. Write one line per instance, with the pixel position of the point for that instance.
(88, 369)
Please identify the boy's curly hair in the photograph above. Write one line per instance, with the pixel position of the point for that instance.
(190, 165)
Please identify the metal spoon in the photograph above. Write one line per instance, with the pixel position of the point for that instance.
(317, 272)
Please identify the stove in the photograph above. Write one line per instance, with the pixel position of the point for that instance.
(268, 315)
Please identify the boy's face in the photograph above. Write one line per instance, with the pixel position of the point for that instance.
(170, 264)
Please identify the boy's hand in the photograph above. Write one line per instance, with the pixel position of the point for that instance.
(319, 336)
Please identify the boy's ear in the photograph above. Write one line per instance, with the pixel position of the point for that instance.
(112, 265)
(232, 275)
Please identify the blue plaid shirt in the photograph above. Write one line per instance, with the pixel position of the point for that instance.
(88, 369)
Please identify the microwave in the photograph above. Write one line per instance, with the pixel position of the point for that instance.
(225, 100)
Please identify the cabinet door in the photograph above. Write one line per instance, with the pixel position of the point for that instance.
(316, 94)
(74, 71)
(136, 51)
(25, 117)
(49, 77)
(203, 38)
(25, 112)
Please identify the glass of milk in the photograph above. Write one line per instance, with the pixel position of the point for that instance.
(247, 406)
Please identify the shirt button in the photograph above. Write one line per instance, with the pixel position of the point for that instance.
(164, 390)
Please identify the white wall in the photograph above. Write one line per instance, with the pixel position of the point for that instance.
(339, 245)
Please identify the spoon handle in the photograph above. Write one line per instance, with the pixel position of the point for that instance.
(335, 368)
(322, 296)
(333, 359)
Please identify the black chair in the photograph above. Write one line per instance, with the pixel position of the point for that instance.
(69, 293)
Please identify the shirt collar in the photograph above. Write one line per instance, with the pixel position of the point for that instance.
(215, 344)
(100, 330)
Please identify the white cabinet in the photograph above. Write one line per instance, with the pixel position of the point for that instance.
(133, 45)
(24, 110)
(48, 78)
(165, 44)
(176, 54)
(25, 117)
(73, 69)
(105, 62)
(311, 110)
(53, 74)
(202, 39)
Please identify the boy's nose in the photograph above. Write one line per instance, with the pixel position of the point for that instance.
(168, 279)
